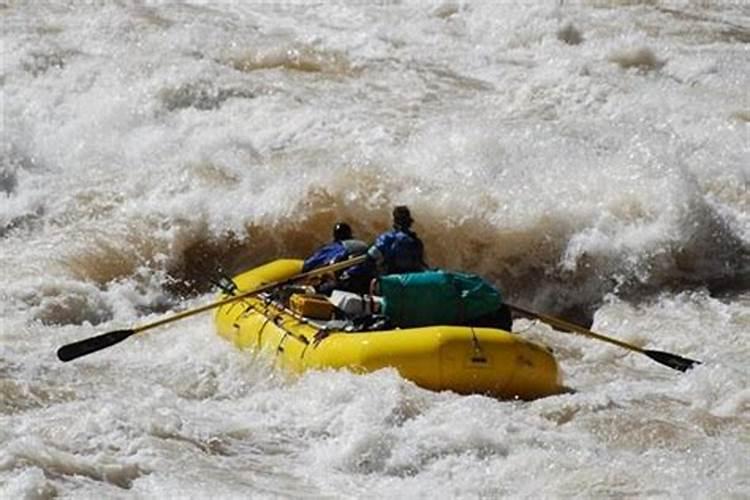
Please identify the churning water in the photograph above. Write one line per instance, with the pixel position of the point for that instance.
(591, 157)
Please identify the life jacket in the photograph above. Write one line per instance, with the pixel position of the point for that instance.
(333, 252)
(325, 255)
(402, 251)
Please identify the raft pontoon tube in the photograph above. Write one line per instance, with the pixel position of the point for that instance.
(463, 359)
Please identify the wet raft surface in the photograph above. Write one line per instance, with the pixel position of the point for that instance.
(461, 359)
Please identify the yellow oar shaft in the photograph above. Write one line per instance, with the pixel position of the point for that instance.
(263, 288)
(575, 328)
(83, 347)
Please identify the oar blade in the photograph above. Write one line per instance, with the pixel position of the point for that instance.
(671, 360)
(87, 346)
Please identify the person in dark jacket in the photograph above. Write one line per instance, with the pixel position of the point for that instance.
(399, 250)
(341, 248)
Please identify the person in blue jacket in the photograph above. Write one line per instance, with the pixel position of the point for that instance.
(341, 248)
(399, 250)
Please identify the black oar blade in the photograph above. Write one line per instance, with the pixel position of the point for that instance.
(671, 360)
(92, 344)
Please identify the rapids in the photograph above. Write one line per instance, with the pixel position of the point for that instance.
(590, 157)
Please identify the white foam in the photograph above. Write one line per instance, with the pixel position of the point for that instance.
(140, 142)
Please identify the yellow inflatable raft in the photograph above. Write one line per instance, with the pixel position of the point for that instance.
(466, 360)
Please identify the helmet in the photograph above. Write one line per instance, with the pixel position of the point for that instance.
(402, 216)
(342, 231)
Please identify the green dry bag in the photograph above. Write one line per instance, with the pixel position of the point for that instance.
(437, 297)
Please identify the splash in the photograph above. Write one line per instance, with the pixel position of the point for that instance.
(641, 58)
(295, 57)
(569, 34)
(146, 144)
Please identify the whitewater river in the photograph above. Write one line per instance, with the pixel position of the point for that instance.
(592, 158)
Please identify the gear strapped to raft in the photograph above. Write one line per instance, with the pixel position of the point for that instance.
(437, 297)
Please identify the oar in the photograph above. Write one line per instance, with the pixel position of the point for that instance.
(99, 342)
(668, 359)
